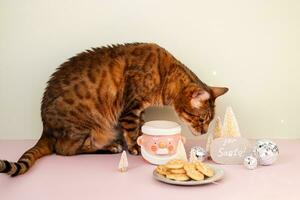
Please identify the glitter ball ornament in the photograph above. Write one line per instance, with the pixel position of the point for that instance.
(198, 153)
(266, 151)
(250, 162)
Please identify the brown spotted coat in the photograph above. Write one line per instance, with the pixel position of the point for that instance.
(95, 101)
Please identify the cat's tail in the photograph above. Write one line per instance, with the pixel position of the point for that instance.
(42, 148)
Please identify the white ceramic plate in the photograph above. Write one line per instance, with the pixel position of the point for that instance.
(219, 173)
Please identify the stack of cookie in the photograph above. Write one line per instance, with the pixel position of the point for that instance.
(180, 170)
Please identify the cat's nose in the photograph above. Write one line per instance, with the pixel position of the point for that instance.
(204, 129)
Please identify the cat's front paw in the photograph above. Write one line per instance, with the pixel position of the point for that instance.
(114, 148)
(134, 150)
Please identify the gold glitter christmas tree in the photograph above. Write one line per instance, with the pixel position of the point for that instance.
(218, 132)
(209, 140)
(230, 125)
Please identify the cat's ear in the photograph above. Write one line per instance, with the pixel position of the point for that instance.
(218, 91)
(198, 97)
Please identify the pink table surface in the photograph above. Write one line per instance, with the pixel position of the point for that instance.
(96, 177)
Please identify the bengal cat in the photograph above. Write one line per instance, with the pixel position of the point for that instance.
(95, 101)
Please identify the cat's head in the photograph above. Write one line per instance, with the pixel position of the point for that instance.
(195, 105)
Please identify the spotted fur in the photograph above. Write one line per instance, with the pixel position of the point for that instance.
(96, 100)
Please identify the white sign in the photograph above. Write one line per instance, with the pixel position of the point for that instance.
(229, 150)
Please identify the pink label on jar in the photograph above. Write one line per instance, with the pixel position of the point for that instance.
(159, 145)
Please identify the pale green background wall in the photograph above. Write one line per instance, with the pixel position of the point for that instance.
(253, 47)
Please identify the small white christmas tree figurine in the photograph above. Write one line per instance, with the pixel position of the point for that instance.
(208, 143)
(193, 157)
(123, 164)
(230, 126)
(217, 132)
(181, 153)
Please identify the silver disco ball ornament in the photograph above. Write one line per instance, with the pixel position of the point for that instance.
(250, 162)
(266, 151)
(199, 153)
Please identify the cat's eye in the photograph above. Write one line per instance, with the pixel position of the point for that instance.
(201, 120)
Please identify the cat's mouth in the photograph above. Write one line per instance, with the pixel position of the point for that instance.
(194, 132)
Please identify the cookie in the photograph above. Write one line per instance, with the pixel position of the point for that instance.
(175, 164)
(178, 177)
(180, 170)
(188, 166)
(204, 169)
(192, 172)
(161, 169)
(177, 171)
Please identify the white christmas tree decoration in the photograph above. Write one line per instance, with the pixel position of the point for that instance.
(181, 153)
(123, 164)
(192, 157)
(217, 132)
(208, 143)
(230, 125)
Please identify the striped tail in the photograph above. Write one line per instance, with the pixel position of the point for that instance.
(42, 148)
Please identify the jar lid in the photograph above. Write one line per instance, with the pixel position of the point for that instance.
(161, 127)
